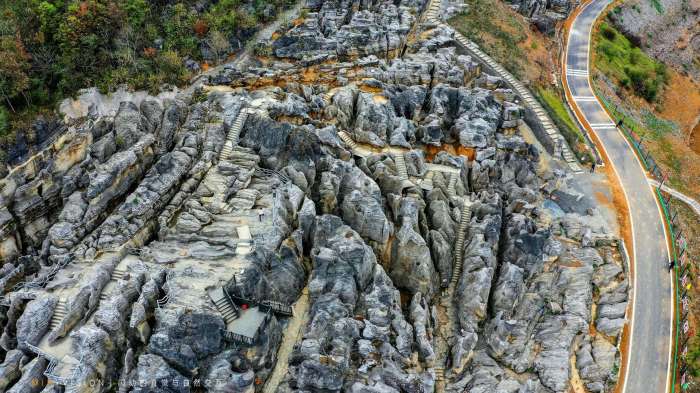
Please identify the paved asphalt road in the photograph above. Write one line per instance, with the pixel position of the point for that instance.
(649, 356)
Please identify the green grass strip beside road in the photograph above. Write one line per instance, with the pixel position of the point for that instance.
(675, 275)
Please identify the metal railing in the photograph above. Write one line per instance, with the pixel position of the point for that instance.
(166, 287)
(264, 172)
(42, 281)
(680, 258)
(276, 307)
(239, 338)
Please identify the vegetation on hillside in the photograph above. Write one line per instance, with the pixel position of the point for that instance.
(510, 39)
(501, 34)
(50, 49)
(622, 61)
(557, 109)
(654, 101)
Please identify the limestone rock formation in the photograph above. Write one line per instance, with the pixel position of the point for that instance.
(352, 212)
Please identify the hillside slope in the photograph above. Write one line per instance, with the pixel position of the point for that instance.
(664, 110)
(666, 29)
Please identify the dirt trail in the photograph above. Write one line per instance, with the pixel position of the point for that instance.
(292, 335)
(446, 319)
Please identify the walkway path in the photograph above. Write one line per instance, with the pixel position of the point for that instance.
(553, 134)
(650, 341)
(695, 205)
(263, 34)
(364, 150)
(292, 335)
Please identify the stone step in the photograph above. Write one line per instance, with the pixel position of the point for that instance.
(451, 185)
(247, 193)
(348, 140)
(238, 153)
(118, 274)
(234, 134)
(439, 374)
(465, 218)
(58, 314)
(401, 166)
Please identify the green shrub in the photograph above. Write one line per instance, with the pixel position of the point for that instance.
(608, 32)
(66, 45)
(621, 60)
(4, 121)
(657, 6)
(608, 49)
(555, 106)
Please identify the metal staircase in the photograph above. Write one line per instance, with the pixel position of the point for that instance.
(459, 244)
(65, 371)
(166, 288)
(401, 166)
(234, 134)
(223, 303)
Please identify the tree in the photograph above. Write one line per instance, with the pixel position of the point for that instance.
(136, 11)
(14, 65)
(85, 39)
(4, 121)
(219, 44)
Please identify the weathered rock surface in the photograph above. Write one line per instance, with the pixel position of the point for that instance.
(168, 239)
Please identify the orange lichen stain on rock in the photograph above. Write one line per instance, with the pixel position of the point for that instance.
(380, 99)
(276, 35)
(456, 150)
(310, 74)
(370, 89)
(695, 138)
(468, 152)
(431, 151)
(385, 255)
(296, 120)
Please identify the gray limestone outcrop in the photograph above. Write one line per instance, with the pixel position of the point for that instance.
(355, 211)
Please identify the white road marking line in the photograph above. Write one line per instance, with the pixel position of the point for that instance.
(585, 98)
(571, 72)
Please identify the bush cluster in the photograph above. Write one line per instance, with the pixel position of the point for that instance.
(634, 69)
(51, 48)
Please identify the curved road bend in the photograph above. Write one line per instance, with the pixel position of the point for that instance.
(650, 341)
